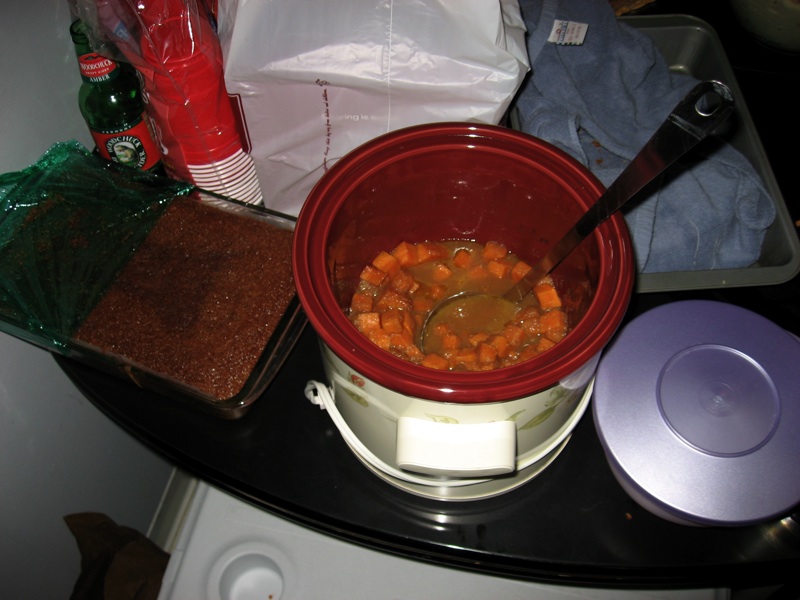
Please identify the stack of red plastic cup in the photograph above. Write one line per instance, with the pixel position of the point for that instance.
(184, 82)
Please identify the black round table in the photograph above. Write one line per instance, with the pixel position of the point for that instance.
(573, 524)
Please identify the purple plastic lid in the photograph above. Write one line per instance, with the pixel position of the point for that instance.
(697, 405)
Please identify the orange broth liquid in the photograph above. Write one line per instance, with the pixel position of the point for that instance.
(398, 290)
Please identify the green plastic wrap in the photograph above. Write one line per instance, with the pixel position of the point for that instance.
(69, 223)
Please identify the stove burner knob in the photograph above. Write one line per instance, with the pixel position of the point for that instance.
(251, 576)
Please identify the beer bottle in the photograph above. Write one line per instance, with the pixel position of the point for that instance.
(112, 104)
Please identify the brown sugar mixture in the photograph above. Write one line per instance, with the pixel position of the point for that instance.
(200, 298)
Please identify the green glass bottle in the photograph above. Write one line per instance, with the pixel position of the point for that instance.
(112, 104)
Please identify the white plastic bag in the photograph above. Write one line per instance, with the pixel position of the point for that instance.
(316, 79)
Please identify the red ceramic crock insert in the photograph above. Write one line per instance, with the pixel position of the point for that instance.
(459, 181)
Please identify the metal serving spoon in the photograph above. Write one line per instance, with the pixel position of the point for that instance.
(700, 112)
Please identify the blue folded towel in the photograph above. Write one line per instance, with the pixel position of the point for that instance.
(601, 101)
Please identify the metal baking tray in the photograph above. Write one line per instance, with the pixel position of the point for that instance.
(691, 46)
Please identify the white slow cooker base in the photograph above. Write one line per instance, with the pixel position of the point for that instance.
(477, 491)
(529, 465)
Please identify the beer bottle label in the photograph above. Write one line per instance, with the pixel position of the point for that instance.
(95, 68)
(131, 145)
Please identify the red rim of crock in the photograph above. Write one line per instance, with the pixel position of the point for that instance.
(585, 340)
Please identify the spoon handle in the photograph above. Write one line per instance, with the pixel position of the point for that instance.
(700, 112)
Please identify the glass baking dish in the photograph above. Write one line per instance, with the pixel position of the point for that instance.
(179, 291)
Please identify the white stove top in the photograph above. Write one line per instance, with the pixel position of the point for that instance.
(225, 549)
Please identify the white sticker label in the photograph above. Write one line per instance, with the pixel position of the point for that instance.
(567, 33)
